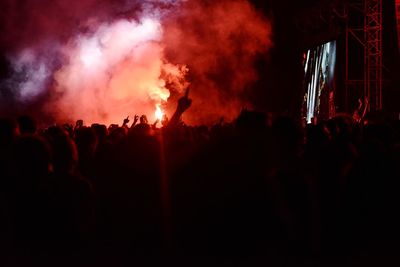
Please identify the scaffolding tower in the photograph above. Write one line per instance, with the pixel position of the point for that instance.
(367, 33)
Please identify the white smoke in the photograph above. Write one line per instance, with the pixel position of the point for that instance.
(31, 75)
(113, 72)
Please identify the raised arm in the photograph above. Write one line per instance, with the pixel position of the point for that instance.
(135, 120)
(125, 123)
(183, 104)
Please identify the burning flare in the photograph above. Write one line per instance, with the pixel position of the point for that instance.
(159, 113)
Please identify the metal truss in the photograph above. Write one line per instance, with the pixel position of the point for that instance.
(368, 35)
(373, 53)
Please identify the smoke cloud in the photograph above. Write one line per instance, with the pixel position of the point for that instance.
(116, 70)
(103, 60)
(220, 41)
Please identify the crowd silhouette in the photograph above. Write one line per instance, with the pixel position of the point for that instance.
(259, 191)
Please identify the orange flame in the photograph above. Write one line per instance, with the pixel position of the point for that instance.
(159, 113)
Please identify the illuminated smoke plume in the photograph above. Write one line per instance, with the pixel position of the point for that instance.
(219, 41)
(104, 60)
(117, 70)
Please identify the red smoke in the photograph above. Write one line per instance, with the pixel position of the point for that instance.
(96, 60)
(219, 41)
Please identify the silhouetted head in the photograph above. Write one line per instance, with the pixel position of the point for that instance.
(141, 129)
(101, 131)
(27, 125)
(143, 119)
(251, 120)
(118, 134)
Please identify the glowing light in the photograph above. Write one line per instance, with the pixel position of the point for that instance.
(159, 113)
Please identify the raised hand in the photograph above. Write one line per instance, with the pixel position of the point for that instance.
(135, 120)
(155, 123)
(184, 102)
(126, 121)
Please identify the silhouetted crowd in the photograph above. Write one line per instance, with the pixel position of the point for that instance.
(259, 191)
